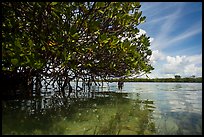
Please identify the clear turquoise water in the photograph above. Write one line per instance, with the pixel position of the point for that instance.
(140, 108)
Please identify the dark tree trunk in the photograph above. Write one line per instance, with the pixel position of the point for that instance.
(64, 85)
(38, 85)
(77, 81)
(70, 88)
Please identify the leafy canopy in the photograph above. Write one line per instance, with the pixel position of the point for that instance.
(83, 37)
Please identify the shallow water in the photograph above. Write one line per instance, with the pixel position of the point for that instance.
(140, 108)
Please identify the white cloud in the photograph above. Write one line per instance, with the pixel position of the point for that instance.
(156, 55)
(183, 65)
(175, 60)
(192, 69)
(151, 40)
(168, 66)
(196, 59)
(141, 32)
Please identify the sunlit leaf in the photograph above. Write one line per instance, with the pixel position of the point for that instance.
(53, 3)
(142, 19)
(14, 61)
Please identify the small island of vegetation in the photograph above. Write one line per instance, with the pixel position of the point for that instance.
(187, 79)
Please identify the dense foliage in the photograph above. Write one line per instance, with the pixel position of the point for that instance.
(67, 40)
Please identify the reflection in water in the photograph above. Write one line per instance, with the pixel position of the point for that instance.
(178, 106)
(140, 108)
(180, 123)
(114, 114)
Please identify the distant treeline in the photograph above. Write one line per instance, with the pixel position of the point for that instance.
(196, 80)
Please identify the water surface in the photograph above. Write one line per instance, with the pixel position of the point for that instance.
(140, 108)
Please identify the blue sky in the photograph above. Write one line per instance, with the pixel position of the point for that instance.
(175, 29)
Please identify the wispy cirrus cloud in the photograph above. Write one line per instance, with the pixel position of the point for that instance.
(163, 40)
(176, 30)
(169, 23)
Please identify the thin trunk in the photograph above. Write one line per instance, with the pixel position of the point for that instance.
(70, 88)
(38, 85)
(64, 85)
(77, 80)
(83, 85)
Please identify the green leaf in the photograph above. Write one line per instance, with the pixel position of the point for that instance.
(147, 76)
(76, 35)
(14, 61)
(30, 42)
(3, 68)
(101, 11)
(105, 41)
(17, 43)
(43, 48)
(120, 8)
(149, 52)
(53, 3)
(103, 37)
(126, 16)
(135, 63)
(68, 57)
(100, 4)
(115, 41)
(89, 65)
(28, 60)
(73, 30)
(30, 53)
(138, 15)
(136, 4)
(97, 32)
(55, 14)
(142, 19)
(127, 43)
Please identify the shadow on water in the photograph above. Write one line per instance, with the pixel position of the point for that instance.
(109, 115)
